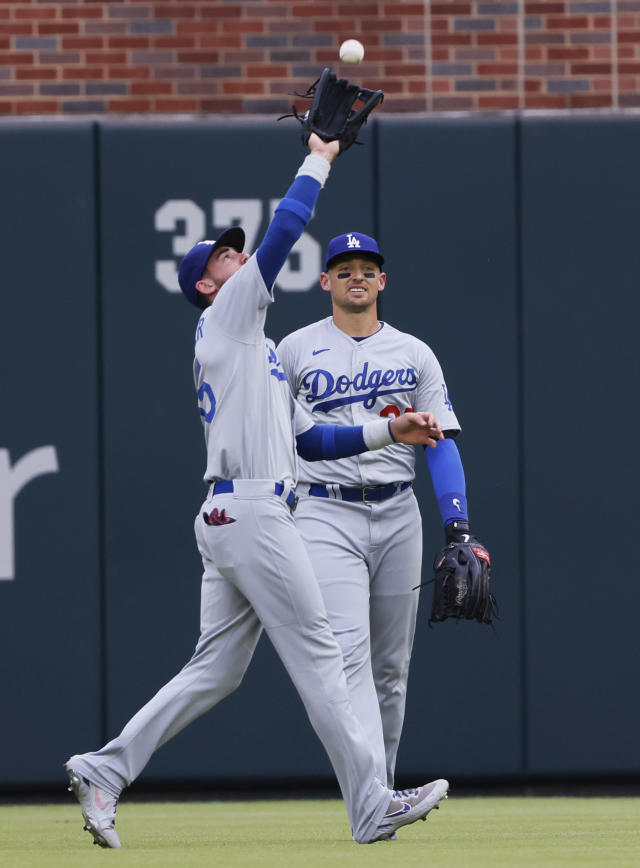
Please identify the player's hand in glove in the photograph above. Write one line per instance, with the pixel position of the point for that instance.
(416, 428)
(332, 115)
(462, 578)
(328, 150)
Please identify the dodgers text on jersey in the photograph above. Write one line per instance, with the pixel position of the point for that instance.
(320, 385)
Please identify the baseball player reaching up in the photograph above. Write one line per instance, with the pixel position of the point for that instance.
(358, 515)
(257, 573)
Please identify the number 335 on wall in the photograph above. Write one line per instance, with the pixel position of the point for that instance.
(187, 222)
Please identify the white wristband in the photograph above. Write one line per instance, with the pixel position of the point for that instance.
(315, 166)
(377, 434)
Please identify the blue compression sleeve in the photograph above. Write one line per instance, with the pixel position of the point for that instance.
(330, 441)
(292, 215)
(447, 475)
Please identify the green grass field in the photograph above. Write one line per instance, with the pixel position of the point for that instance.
(467, 831)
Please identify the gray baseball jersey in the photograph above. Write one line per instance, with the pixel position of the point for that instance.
(244, 403)
(348, 382)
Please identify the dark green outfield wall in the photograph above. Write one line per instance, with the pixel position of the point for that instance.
(512, 248)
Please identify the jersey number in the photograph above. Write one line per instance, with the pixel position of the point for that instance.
(394, 410)
(273, 360)
(206, 402)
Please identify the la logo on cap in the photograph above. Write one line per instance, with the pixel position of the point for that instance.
(352, 242)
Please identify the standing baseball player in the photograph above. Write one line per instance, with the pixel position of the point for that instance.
(256, 569)
(359, 515)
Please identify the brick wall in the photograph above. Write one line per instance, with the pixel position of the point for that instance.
(150, 56)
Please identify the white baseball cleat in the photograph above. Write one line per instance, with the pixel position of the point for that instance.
(98, 809)
(407, 806)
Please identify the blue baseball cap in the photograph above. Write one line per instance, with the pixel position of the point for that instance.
(355, 244)
(193, 265)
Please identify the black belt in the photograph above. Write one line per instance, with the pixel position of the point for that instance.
(225, 486)
(363, 495)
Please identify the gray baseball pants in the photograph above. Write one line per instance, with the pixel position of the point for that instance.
(257, 573)
(367, 558)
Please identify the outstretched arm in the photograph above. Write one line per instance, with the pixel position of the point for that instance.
(295, 210)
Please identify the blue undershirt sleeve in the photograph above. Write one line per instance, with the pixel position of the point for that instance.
(447, 476)
(330, 441)
(291, 216)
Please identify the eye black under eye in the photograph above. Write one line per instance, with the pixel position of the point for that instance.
(344, 274)
(369, 274)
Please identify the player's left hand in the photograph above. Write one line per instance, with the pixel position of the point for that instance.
(328, 150)
(421, 428)
(332, 115)
(462, 583)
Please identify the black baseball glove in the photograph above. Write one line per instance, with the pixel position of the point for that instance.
(462, 581)
(331, 115)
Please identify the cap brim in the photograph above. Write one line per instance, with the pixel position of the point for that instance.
(356, 254)
(232, 237)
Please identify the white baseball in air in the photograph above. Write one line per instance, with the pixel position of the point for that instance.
(351, 51)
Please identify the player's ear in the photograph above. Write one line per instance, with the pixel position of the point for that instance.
(382, 281)
(205, 286)
(324, 281)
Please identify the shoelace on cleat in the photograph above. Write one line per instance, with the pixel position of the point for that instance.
(404, 794)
